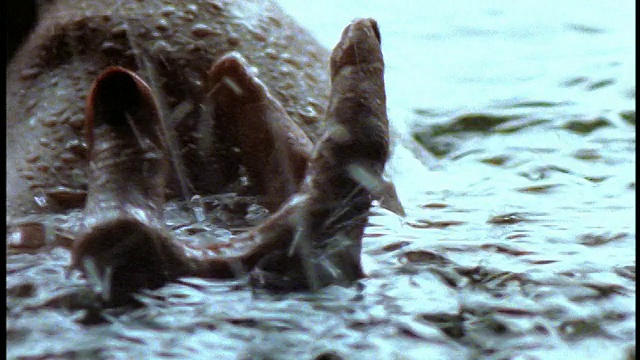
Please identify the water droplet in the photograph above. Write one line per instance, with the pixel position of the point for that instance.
(68, 158)
(309, 111)
(215, 5)
(201, 31)
(163, 24)
(77, 147)
(40, 200)
(33, 122)
(77, 121)
(32, 158)
(119, 30)
(50, 122)
(161, 46)
(110, 46)
(271, 54)
(258, 36)
(294, 62)
(30, 73)
(167, 11)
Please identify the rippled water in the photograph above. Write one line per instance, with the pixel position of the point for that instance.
(515, 159)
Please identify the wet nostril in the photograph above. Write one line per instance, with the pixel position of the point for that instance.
(116, 94)
(376, 30)
(121, 101)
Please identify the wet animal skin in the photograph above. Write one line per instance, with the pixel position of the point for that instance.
(111, 137)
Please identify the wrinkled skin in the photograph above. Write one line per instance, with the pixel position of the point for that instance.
(118, 100)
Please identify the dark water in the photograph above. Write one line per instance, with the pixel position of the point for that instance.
(515, 158)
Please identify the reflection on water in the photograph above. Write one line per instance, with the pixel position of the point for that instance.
(515, 158)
